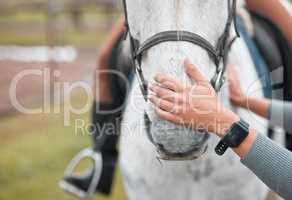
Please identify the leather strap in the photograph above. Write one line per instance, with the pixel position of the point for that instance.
(178, 36)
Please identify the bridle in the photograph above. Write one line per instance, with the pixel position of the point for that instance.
(218, 54)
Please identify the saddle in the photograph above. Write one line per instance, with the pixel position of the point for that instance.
(276, 52)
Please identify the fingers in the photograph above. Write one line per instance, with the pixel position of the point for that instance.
(166, 94)
(164, 105)
(231, 69)
(167, 115)
(193, 72)
(169, 82)
(233, 80)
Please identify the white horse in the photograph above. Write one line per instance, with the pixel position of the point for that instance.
(209, 177)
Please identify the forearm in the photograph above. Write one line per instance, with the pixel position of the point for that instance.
(270, 162)
(259, 106)
(105, 51)
(246, 145)
(276, 12)
(101, 87)
(281, 114)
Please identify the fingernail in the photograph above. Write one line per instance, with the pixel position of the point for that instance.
(155, 85)
(150, 97)
(151, 88)
(157, 77)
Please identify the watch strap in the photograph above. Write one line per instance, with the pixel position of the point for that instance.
(221, 148)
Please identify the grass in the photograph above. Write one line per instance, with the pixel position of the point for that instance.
(89, 13)
(23, 17)
(34, 151)
(83, 39)
(14, 38)
(75, 38)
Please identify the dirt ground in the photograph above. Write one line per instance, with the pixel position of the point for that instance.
(30, 89)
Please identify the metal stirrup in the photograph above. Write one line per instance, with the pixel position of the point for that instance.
(97, 160)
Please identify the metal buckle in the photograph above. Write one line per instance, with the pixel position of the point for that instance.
(141, 80)
(218, 81)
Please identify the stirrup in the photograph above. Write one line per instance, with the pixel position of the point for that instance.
(69, 188)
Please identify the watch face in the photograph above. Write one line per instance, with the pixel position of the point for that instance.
(238, 132)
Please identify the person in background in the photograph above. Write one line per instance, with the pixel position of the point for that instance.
(276, 13)
(276, 111)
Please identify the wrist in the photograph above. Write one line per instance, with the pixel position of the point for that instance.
(225, 121)
(243, 102)
(247, 144)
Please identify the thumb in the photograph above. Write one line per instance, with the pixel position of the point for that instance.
(193, 71)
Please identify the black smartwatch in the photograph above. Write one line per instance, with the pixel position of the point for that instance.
(234, 137)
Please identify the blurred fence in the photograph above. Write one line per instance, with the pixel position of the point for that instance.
(61, 35)
(47, 22)
(37, 5)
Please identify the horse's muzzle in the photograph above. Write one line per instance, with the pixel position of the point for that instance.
(190, 155)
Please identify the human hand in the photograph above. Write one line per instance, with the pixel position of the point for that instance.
(237, 97)
(196, 105)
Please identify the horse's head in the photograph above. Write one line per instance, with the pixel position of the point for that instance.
(206, 18)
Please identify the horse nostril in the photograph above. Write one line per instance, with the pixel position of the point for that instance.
(195, 153)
